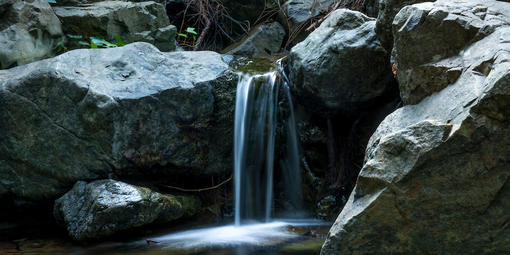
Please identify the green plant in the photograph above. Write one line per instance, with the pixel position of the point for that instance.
(94, 42)
(97, 41)
(189, 33)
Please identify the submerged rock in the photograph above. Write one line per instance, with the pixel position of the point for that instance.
(89, 113)
(29, 31)
(102, 208)
(436, 178)
(263, 40)
(134, 22)
(341, 65)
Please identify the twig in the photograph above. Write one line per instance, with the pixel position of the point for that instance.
(198, 190)
(204, 32)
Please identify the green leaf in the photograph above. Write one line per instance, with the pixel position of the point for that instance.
(182, 35)
(84, 43)
(120, 42)
(52, 1)
(191, 30)
(92, 44)
(102, 43)
(74, 36)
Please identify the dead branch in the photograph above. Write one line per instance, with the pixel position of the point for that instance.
(203, 33)
(198, 190)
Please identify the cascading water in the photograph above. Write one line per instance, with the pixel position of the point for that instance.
(256, 129)
(254, 148)
(254, 135)
(291, 173)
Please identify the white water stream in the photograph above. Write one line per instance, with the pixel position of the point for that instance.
(256, 113)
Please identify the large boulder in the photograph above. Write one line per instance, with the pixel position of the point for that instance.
(388, 9)
(263, 40)
(341, 65)
(427, 56)
(105, 207)
(29, 31)
(134, 22)
(130, 110)
(436, 178)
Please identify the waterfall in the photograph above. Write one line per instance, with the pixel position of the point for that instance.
(254, 148)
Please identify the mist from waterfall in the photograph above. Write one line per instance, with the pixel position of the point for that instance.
(254, 148)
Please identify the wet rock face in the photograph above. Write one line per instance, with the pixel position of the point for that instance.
(436, 177)
(88, 114)
(134, 22)
(102, 208)
(29, 31)
(341, 65)
(264, 40)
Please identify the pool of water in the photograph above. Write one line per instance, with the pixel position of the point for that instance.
(276, 237)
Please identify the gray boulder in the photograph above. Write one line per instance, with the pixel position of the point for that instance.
(299, 11)
(388, 9)
(105, 207)
(90, 113)
(263, 40)
(427, 56)
(436, 178)
(134, 22)
(29, 31)
(296, 14)
(341, 65)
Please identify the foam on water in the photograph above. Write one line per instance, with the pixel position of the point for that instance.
(262, 234)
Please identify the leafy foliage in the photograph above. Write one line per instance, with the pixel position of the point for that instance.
(94, 42)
